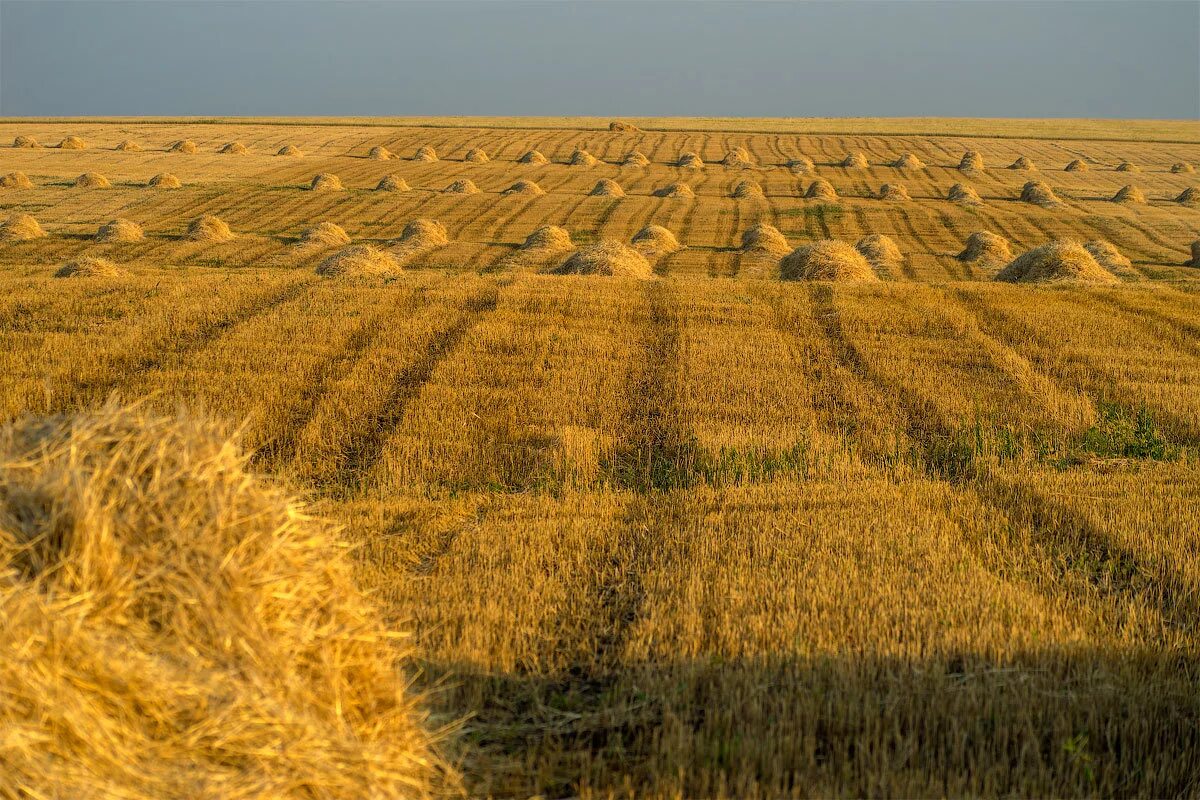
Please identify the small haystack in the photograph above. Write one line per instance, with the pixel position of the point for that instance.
(606, 187)
(548, 238)
(290, 150)
(690, 161)
(747, 190)
(635, 158)
(532, 157)
(1195, 262)
(827, 260)
(971, 162)
(425, 233)
(15, 180)
(20, 228)
(908, 161)
(880, 251)
(655, 240)
(801, 164)
(1182, 168)
(425, 153)
(738, 158)
(183, 146)
(380, 153)
(823, 190)
(322, 235)
(234, 149)
(617, 126)
(92, 180)
(525, 187)
(476, 155)
(1126, 166)
(72, 143)
(855, 161)
(582, 158)
(893, 191)
(90, 267)
(128, 146)
(1039, 193)
(120, 230)
(325, 182)
(1023, 163)
(1060, 261)
(986, 249)
(964, 195)
(462, 186)
(209, 229)
(164, 180)
(26, 143)
(609, 258)
(1078, 165)
(675, 190)
(1129, 194)
(1189, 196)
(392, 183)
(359, 261)
(763, 238)
(1107, 255)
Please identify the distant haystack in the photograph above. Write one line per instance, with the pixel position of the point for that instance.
(379, 153)
(462, 186)
(392, 183)
(20, 228)
(26, 143)
(1182, 168)
(908, 161)
(164, 180)
(617, 126)
(767, 239)
(1023, 163)
(425, 153)
(690, 161)
(1195, 262)
(1060, 261)
(15, 180)
(1078, 165)
(738, 158)
(964, 195)
(987, 249)
(826, 260)
(635, 159)
(90, 267)
(1039, 194)
(821, 189)
(1126, 166)
(234, 149)
(1189, 196)
(209, 229)
(1107, 255)
(532, 157)
(855, 161)
(607, 188)
(120, 230)
(72, 143)
(476, 155)
(183, 146)
(322, 235)
(893, 191)
(359, 261)
(609, 258)
(655, 241)
(675, 190)
(425, 233)
(128, 146)
(548, 238)
(747, 190)
(92, 180)
(290, 150)
(971, 162)
(582, 158)
(525, 187)
(801, 164)
(880, 251)
(325, 182)
(1129, 194)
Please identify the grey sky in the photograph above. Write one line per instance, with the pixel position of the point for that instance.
(901, 58)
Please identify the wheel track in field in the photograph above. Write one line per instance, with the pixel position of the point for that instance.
(1064, 537)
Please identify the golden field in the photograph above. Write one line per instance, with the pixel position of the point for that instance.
(708, 534)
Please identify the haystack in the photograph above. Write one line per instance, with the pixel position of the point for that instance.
(183, 146)
(92, 180)
(617, 126)
(1107, 255)
(1129, 194)
(15, 180)
(964, 195)
(655, 240)
(359, 261)
(908, 161)
(582, 158)
(605, 187)
(20, 228)
(675, 190)
(532, 157)
(128, 146)
(690, 161)
(1039, 193)
(821, 189)
(120, 230)
(177, 627)
(826, 260)
(635, 159)
(1126, 166)
(234, 149)
(747, 190)
(290, 150)
(738, 158)
(763, 238)
(1060, 261)
(893, 191)
(1078, 165)
(971, 161)
(326, 182)
(548, 238)
(425, 153)
(1189, 196)
(379, 153)
(425, 232)
(801, 164)
(90, 267)
(525, 187)
(880, 251)
(462, 186)
(392, 183)
(855, 161)
(1023, 163)
(1195, 262)
(1182, 168)
(164, 180)
(322, 235)
(209, 229)
(987, 249)
(476, 155)
(72, 143)
(607, 257)
(26, 142)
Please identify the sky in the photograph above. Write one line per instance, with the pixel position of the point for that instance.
(979, 58)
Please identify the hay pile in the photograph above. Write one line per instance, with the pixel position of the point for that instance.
(392, 183)
(1182, 168)
(964, 195)
(826, 260)
(15, 180)
(462, 186)
(855, 161)
(617, 126)
(359, 261)
(380, 153)
(986, 249)
(746, 190)
(880, 251)
(1129, 194)
(635, 159)
(92, 180)
(476, 155)
(120, 230)
(325, 182)
(1126, 166)
(425, 232)
(893, 191)
(971, 162)
(800, 164)
(234, 149)
(1195, 262)
(209, 229)
(675, 190)
(1189, 196)
(26, 142)
(165, 180)
(525, 187)
(690, 161)
(128, 146)
(1107, 255)
(607, 257)
(90, 267)
(1023, 163)
(655, 241)
(821, 189)
(763, 238)
(322, 235)
(908, 161)
(183, 146)
(582, 158)
(20, 228)
(605, 187)
(532, 157)
(177, 627)
(425, 153)
(1060, 261)
(548, 238)
(1039, 193)
(290, 150)
(1078, 165)
(72, 143)
(738, 158)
